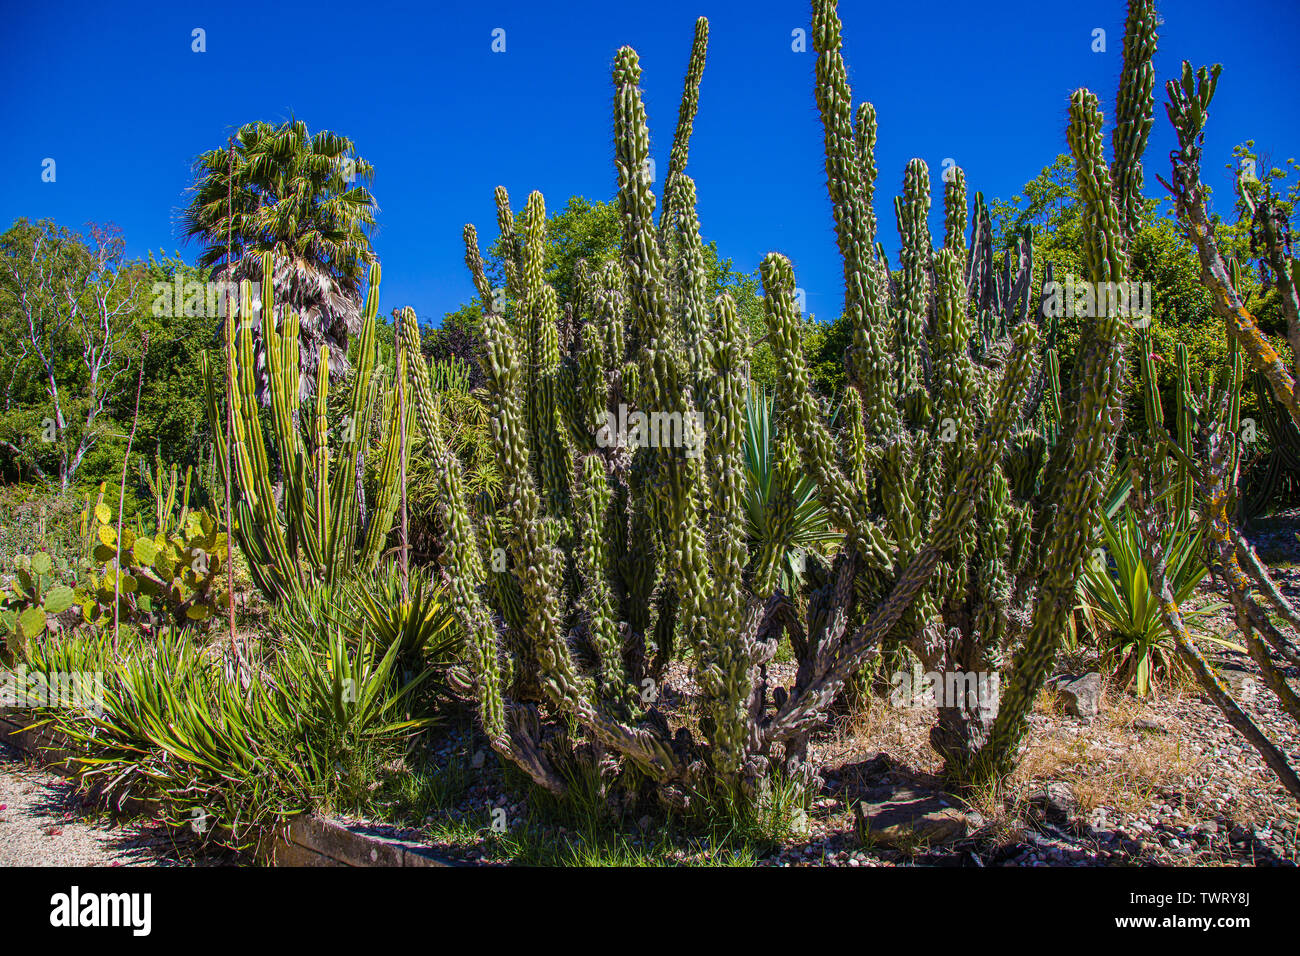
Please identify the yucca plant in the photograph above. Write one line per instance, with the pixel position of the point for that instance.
(1084, 621)
(370, 609)
(779, 538)
(422, 624)
(308, 726)
(1121, 599)
(174, 728)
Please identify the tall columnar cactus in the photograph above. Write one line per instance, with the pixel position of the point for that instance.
(1266, 617)
(997, 580)
(302, 513)
(1282, 457)
(1169, 469)
(619, 538)
(1080, 462)
(1263, 613)
(1134, 116)
(619, 434)
(162, 488)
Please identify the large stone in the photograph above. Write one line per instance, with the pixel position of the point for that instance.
(1241, 681)
(907, 818)
(1053, 801)
(1080, 693)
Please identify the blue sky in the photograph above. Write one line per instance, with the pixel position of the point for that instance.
(115, 95)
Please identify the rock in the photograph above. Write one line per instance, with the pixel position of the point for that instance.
(1054, 802)
(1081, 693)
(1240, 681)
(905, 818)
(1149, 725)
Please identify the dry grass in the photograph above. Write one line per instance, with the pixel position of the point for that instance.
(903, 733)
(1107, 763)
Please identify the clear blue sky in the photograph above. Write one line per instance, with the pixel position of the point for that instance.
(114, 94)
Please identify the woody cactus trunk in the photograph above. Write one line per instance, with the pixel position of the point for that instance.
(619, 547)
(301, 509)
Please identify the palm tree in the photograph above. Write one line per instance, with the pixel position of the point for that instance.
(300, 197)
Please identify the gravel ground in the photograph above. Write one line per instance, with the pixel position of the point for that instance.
(45, 822)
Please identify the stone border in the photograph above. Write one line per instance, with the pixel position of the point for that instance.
(308, 840)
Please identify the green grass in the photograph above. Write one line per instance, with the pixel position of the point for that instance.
(532, 846)
(582, 829)
(410, 797)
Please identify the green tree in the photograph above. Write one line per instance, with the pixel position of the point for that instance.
(69, 341)
(1159, 253)
(173, 419)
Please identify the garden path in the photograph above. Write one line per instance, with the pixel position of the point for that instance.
(45, 822)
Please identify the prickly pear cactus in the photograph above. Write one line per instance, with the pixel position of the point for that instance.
(168, 578)
(30, 596)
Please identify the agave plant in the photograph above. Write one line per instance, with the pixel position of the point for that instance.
(1083, 620)
(779, 537)
(421, 623)
(372, 609)
(306, 727)
(1121, 599)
